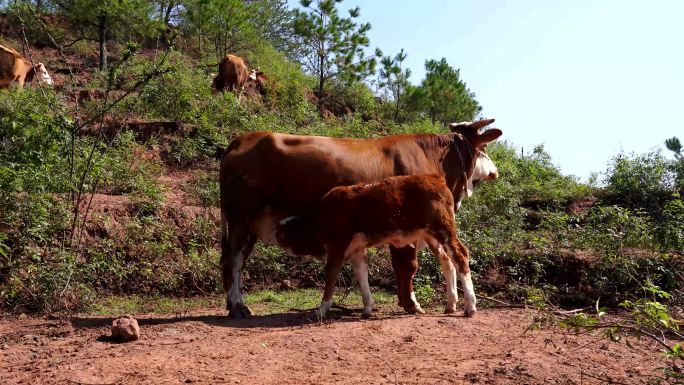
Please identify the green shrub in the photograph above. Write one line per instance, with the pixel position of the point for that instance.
(534, 177)
(287, 87)
(205, 190)
(669, 231)
(612, 229)
(639, 180)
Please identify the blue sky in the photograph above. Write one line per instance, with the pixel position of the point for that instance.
(585, 78)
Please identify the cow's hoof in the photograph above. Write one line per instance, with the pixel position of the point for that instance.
(324, 308)
(239, 311)
(470, 313)
(366, 314)
(414, 309)
(449, 310)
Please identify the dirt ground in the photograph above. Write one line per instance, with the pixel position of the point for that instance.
(205, 347)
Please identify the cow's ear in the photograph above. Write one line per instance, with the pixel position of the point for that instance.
(489, 136)
(460, 128)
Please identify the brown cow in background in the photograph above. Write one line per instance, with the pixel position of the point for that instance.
(13, 67)
(233, 74)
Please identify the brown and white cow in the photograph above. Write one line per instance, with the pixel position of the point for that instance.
(233, 74)
(266, 178)
(14, 68)
(401, 211)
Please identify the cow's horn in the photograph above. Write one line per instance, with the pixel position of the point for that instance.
(460, 124)
(482, 123)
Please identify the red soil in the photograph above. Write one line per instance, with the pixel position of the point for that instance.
(295, 348)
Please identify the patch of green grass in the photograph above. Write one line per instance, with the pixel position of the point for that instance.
(270, 302)
(261, 302)
(153, 304)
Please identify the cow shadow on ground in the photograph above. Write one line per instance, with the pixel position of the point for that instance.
(279, 320)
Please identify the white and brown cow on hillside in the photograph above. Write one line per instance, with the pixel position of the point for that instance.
(401, 211)
(268, 177)
(233, 74)
(14, 68)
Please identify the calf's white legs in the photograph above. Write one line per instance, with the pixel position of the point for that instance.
(360, 267)
(453, 260)
(468, 294)
(450, 276)
(359, 262)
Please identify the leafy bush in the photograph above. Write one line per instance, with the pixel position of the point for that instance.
(286, 86)
(669, 231)
(534, 177)
(205, 190)
(639, 180)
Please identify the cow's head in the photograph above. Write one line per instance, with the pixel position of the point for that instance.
(484, 168)
(259, 79)
(216, 83)
(42, 75)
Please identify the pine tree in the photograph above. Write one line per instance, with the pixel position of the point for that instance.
(395, 79)
(443, 95)
(333, 45)
(99, 20)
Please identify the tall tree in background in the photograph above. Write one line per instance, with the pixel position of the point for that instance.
(443, 95)
(166, 11)
(226, 23)
(275, 22)
(99, 20)
(394, 79)
(673, 144)
(334, 45)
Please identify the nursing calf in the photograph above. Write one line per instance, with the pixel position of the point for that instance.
(399, 211)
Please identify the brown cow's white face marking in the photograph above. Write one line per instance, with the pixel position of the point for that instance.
(252, 75)
(485, 169)
(42, 74)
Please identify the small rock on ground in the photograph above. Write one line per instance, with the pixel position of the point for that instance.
(125, 328)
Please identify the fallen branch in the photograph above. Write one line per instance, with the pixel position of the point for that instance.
(571, 312)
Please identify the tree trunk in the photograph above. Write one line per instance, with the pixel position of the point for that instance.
(166, 20)
(102, 26)
(321, 83)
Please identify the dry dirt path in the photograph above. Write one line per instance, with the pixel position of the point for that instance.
(205, 347)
